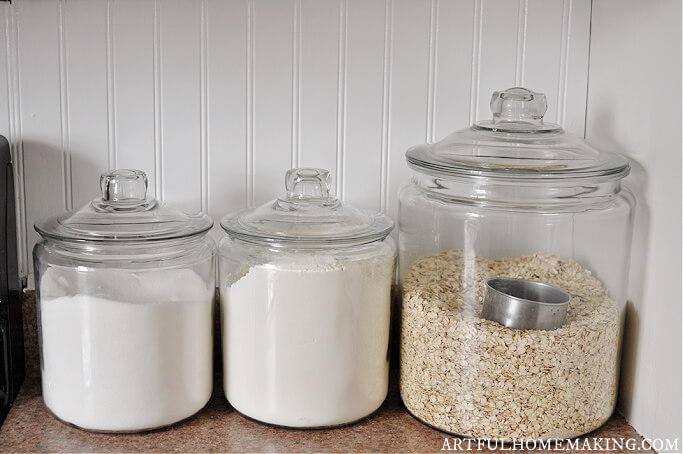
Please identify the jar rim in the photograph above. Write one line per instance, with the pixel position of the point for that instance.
(515, 195)
(432, 168)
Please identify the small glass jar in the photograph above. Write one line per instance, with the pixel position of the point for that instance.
(125, 289)
(305, 307)
(513, 197)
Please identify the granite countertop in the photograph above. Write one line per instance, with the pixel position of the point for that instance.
(218, 428)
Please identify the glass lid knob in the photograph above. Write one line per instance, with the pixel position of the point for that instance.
(307, 183)
(124, 189)
(518, 105)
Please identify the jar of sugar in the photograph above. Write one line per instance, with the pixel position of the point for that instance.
(125, 288)
(305, 307)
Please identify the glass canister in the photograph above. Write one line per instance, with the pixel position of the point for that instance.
(305, 307)
(513, 197)
(125, 288)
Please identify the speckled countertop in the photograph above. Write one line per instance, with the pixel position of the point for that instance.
(218, 428)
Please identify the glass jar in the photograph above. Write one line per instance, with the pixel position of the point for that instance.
(125, 289)
(305, 305)
(513, 197)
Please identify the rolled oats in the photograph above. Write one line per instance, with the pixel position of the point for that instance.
(473, 377)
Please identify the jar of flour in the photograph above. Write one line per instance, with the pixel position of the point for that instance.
(305, 307)
(125, 289)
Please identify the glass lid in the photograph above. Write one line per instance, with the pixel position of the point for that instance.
(307, 215)
(124, 213)
(516, 144)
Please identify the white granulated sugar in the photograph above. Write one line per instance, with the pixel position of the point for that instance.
(133, 354)
(305, 340)
(476, 378)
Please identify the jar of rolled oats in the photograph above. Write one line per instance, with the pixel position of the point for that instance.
(512, 197)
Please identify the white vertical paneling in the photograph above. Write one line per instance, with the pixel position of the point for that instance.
(430, 127)
(11, 127)
(386, 105)
(204, 107)
(410, 68)
(85, 89)
(5, 88)
(453, 41)
(498, 61)
(249, 113)
(319, 65)
(64, 110)
(41, 126)
(544, 41)
(6, 107)
(180, 72)
(576, 76)
(158, 114)
(340, 133)
(131, 80)
(364, 80)
(477, 26)
(522, 23)
(110, 79)
(273, 64)
(295, 150)
(227, 104)
(216, 100)
(564, 54)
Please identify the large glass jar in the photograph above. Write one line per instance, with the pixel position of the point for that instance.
(125, 289)
(305, 307)
(513, 197)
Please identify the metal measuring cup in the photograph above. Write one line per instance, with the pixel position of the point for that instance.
(525, 304)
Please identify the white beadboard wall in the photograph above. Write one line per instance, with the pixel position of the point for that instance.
(216, 99)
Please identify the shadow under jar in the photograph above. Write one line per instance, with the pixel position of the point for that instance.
(513, 197)
(305, 307)
(125, 288)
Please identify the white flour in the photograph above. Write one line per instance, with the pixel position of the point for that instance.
(305, 343)
(140, 361)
